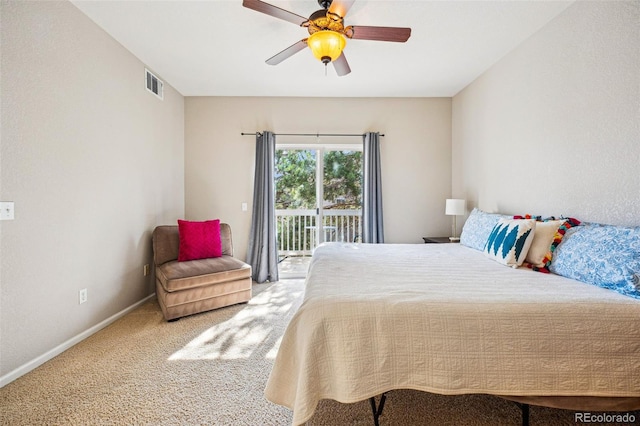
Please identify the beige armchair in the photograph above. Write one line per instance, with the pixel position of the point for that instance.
(193, 286)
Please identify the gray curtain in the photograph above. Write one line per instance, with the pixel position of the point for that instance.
(372, 226)
(262, 253)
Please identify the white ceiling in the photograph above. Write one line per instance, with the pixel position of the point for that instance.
(218, 47)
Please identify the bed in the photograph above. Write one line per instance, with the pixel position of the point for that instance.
(446, 319)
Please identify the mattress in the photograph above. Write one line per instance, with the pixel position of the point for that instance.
(444, 318)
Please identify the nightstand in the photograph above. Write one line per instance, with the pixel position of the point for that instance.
(438, 240)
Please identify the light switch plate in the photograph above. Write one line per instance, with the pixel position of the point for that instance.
(7, 210)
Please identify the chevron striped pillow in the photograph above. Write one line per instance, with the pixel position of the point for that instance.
(509, 241)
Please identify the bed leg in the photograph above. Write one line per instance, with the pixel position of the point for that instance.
(525, 413)
(377, 411)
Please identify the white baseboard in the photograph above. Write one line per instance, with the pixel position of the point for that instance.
(34, 363)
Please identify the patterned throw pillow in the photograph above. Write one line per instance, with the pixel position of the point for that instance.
(604, 255)
(199, 240)
(545, 231)
(568, 223)
(509, 241)
(549, 233)
(477, 228)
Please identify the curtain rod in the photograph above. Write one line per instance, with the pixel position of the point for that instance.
(308, 134)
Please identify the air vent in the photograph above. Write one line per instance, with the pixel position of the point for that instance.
(154, 84)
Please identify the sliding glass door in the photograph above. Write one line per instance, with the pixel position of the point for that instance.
(318, 196)
(341, 192)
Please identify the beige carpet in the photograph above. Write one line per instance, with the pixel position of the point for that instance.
(211, 369)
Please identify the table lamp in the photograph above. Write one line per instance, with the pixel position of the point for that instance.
(455, 207)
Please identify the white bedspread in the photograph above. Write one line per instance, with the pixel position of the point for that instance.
(443, 318)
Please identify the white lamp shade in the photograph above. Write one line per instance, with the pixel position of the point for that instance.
(455, 207)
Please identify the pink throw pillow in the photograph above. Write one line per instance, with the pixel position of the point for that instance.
(199, 240)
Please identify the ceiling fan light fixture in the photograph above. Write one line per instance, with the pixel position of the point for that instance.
(326, 45)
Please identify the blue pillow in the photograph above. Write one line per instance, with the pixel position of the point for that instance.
(604, 255)
(477, 228)
(509, 241)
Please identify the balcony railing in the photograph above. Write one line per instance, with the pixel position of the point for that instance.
(298, 230)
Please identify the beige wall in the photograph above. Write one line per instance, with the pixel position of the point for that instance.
(554, 127)
(92, 161)
(416, 155)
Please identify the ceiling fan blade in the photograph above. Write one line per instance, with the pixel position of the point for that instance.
(288, 52)
(274, 11)
(340, 7)
(378, 33)
(341, 65)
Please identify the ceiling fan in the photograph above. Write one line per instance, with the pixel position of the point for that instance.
(327, 32)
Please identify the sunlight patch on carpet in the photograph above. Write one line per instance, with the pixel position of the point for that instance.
(248, 333)
(274, 350)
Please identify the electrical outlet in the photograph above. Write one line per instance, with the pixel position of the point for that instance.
(82, 296)
(145, 270)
